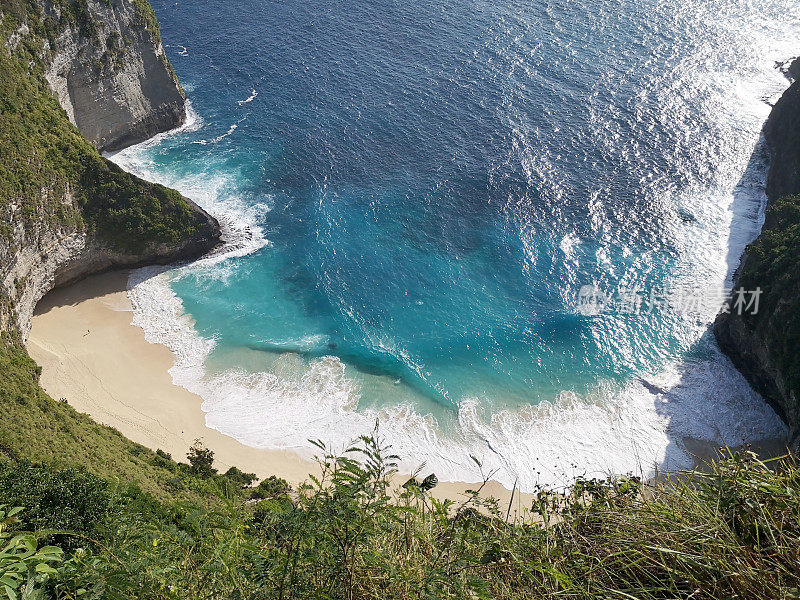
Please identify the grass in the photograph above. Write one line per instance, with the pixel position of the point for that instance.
(36, 429)
(730, 533)
(132, 523)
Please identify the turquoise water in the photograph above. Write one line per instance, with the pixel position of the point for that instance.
(418, 191)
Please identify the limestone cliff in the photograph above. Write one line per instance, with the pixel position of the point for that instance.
(80, 76)
(111, 75)
(782, 132)
(766, 347)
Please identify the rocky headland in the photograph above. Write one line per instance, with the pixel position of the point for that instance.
(80, 78)
(764, 346)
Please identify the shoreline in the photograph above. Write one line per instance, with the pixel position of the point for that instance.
(93, 357)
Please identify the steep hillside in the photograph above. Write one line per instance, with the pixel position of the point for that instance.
(109, 72)
(764, 346)
(66, 212)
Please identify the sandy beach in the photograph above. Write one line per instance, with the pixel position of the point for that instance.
(93, 357)
(102, 365)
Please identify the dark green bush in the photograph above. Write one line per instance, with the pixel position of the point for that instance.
(201, 460)
(239, 477)
(270, 488)
(71, 498)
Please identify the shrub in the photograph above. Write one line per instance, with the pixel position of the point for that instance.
(239, 477)
(270, 488)
(72, 499)
(201, 460)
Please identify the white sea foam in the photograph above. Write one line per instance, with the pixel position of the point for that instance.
(219, 138)
(253, 95)
(635, 428)
(638, 429)
(241, 233)
(131, 159)
(184, 51)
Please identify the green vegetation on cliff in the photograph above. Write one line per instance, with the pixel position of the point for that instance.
(44, 157)
(772, 264)
(86, 513)
(764, 346)
(37, 429)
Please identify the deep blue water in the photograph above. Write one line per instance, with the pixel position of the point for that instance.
(437, 180)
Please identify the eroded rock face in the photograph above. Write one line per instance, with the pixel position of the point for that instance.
(782, 132)
(750, 350)
(111, 75)
(50, 257)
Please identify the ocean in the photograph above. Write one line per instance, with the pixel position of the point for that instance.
(493, 230)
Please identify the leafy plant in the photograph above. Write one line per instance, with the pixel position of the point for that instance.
(270, 487)
(201, 459)
(239, 477)
(25, 568)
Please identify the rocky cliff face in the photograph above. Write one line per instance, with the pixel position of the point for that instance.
(111, 75)
(782, 132)
(765, 347)
(103, 61)
(47, 258)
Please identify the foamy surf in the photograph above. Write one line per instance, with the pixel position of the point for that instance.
(250, 98)
(638, 428)
(130, 158)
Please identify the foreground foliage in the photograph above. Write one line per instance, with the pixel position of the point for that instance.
(24, 568)
(730, 533)
(132, 523)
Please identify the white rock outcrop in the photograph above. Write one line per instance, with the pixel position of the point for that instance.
(111, 76)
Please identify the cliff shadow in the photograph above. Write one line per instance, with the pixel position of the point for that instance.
(707, 406)
(103, 286)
